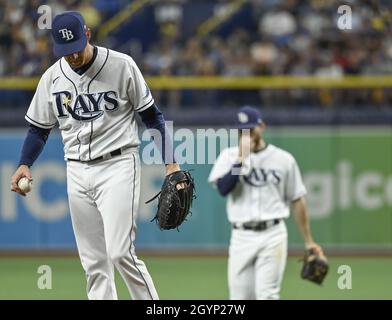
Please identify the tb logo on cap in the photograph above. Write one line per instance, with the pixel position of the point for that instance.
(243, 117)
(67, 34)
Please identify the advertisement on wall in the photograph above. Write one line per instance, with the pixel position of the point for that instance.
(347, 173)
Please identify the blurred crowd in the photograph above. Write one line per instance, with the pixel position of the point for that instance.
(294, 37)
(25, 49)
(281, 37)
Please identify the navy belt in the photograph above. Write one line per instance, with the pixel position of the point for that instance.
(256, 225)
(114, 153)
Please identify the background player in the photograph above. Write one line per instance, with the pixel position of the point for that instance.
(259, 198)
(93, 93)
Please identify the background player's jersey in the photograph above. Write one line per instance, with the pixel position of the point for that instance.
(95, 110)
(269, 181)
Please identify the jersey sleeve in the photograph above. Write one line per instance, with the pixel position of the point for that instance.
(295, 187)
(138, 91)
(222, 166)
(40, 112)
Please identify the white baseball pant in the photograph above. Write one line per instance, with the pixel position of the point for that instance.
(103, 200)
(257, 260)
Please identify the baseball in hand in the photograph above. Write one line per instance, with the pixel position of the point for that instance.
(25, 185)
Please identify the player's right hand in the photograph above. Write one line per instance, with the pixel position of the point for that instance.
(314, 246)
(247, 145)
(22, 171)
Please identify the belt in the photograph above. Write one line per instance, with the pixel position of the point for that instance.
(256, 225)
(114, 153)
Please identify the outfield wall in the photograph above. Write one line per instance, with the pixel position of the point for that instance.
(347, 170)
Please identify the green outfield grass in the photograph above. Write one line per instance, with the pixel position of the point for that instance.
(193, 278)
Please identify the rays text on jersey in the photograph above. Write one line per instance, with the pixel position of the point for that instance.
(86, 106)
(259, 177)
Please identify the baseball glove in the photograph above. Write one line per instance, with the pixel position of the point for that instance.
(173, 204)
(315, 266)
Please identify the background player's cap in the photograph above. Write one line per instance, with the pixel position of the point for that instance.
(69, 33)
(248, 118)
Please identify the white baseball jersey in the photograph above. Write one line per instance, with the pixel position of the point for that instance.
(270, 179)
(95, 110)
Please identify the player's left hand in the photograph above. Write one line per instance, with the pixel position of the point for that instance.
(173, 167)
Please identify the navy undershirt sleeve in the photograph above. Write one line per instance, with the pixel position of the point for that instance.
(153, 118)
(33, 145)
(227, 183)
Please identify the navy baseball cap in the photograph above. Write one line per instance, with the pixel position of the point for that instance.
(248, 118)
(69, 33)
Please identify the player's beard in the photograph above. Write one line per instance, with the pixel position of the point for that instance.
(256, 139)
(77, 63)
(80, 61)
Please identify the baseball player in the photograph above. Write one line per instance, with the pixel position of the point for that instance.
(261, 182)
(93, 93)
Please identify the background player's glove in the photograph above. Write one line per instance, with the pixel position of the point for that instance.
(173, 203)
(315, 266)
